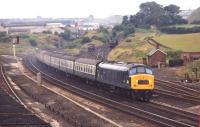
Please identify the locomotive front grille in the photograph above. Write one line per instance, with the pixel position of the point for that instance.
(143, 82)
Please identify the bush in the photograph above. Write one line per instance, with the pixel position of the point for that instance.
(175, 62)
(4, 37)
(66, 35)
(85, 40)
(47, 32)
(180, 30)
(33, 42)
(24, 36)
(128, 40)
(174, 54)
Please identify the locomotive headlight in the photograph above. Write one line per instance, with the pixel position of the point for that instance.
(127, 81)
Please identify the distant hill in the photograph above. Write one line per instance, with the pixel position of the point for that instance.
(195, 16)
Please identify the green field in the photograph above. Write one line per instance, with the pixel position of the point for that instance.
(183, 42)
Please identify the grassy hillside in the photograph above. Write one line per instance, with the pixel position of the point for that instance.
(75, 46)
(183, 42)
(195, 16)
(132, 49)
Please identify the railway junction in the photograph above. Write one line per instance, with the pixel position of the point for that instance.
(58, 101)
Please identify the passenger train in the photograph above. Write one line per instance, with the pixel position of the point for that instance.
(132, 78)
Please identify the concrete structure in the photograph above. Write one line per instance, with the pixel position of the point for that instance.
(55, 25)
(33, 29)
(156, 58)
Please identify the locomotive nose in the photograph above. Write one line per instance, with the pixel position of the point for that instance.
(142, 82)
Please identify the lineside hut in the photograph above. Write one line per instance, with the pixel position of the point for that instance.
(156, 57)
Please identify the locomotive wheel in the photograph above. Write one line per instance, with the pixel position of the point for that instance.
(143, 96)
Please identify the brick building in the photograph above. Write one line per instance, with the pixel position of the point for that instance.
(190, 56)
(156, 57)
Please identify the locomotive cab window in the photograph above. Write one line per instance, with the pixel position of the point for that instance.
(149, 71)
(140, 70)
(132, 71)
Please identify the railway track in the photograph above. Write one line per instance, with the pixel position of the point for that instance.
(138, 110)
(178, 88)
(180, 96)
(5, 85)
(13, 112)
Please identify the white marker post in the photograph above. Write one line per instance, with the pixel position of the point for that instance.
(14, 51)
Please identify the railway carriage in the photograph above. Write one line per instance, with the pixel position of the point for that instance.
(86, 68)
(67, 64)
(40, 55)
(47, 58)
(55, 60)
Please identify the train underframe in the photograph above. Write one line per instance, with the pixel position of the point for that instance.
(142, 95)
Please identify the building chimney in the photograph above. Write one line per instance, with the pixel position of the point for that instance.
(157, 46)
(144, 61)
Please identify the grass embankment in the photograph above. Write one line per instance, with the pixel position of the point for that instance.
(75, 46)
(132, 49)
(183, 42)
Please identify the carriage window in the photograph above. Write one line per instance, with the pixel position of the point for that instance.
(149, 71)
(132, 71)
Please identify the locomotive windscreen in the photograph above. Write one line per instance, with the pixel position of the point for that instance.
(142, 70)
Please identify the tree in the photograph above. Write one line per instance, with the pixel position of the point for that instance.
(128, 29)
(173, 9)
(66, 35)
(33, 42)
(102, 29)
(125, 20)
(151, 13)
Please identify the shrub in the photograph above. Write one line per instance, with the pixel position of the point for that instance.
(33, 42)
(85, 40)
(180, 30)
(175, 62)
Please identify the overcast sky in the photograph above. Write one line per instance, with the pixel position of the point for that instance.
(79, 8)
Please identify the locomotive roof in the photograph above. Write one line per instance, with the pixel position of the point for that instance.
(120, 66)
(87, 61)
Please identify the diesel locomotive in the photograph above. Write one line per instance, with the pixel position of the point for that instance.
(133, 78)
